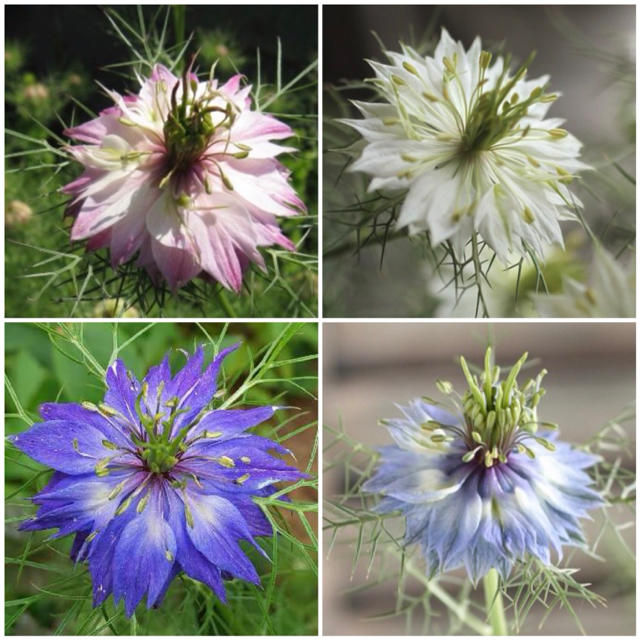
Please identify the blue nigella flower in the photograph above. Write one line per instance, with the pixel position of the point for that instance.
(489, 485)
(153, 481)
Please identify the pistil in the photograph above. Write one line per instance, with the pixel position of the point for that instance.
(499, 416)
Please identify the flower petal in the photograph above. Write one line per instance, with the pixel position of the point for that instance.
(148, 544)
(64, 446)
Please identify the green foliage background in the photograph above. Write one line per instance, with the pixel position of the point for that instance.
(46, 594)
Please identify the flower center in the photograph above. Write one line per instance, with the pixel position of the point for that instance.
(499, 415)
(161, 449)
(187, 133)
(189, 127)
(495, 114)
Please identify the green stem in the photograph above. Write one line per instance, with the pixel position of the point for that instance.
(179, 23)
(459, 609)
(478, 275)
(226, 305)
(495, 607)
(134, 625)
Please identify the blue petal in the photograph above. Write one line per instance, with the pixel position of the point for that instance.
(197, 389)
(62, 445)
(252, 514)
(101, 552)
(77, 502)
(144, 556)
(231, 422)
(78, 548)
(122, 391)
(157, 376)
(175, 570)
(192, 562)
(261, 469)
(72, 412)
(187, 378)
(217, 528)
(422, 411)
(237, 447)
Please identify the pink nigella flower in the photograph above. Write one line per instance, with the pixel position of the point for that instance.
(185, 175)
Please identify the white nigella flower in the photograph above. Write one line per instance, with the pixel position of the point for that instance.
(470, 143)
(610, 293)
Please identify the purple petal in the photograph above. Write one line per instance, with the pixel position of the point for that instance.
(122, 390)
(230, 422)
(77, 414)
(147, 545)
(73, 503)
(101, 554)
(65, 446)
(217, 527)
(193, 563)
(196, 389)
(156, 376)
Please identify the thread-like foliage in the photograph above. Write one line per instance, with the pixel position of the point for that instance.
(46, 593)
(381, 561)
(57, 278)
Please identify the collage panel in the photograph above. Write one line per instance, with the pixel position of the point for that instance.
(466, 492)
(178, 320)
(479, 161)
(161, 479)
(162, 161)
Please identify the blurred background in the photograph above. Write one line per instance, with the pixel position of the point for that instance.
(368, 367)
(589, 52)
(54, 58)
(44, 593)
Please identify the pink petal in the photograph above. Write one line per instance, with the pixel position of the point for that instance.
(127, 236)
(92, 131)
(161, 73)
(76, 186)
(99, 241)
(218, 255)
(225, 233)
(177, 265)
(171, 242)
(254, 126)
(232, 85)
(262, 184)
(112, 204)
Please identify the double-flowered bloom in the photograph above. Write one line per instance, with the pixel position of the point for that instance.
(184, 174)
(470, 143)
(486, 487)
(154, 482)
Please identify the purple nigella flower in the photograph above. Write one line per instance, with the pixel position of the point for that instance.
(484, 488)
(153, 481)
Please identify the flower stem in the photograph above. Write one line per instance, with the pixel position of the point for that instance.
(493, 600)
(478, 275)
(226, 305)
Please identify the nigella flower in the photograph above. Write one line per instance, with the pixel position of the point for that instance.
(185, 175)
(609, 293)
(488, 486)
(471, 145)
(154, 482)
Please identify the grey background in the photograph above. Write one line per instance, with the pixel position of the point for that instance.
(370, 366)
(589, 52)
